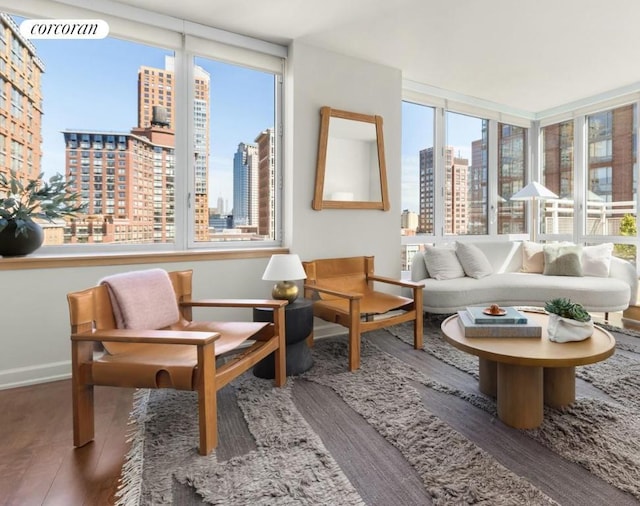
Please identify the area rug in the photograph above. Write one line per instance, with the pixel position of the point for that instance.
(602, 437)
(291, 465)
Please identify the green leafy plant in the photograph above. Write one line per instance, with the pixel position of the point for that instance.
(567, 309)
(23, 200)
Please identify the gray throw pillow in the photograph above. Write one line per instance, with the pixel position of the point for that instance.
(473, 260)
(562, 260)
(442, 263)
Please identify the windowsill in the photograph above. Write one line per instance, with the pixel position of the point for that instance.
(83, 260)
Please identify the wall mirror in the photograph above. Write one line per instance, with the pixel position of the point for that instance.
(351, 171)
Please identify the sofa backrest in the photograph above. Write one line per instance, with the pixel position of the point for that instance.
(504, 256)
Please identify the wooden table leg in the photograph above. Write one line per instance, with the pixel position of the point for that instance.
(488, 372)
(559, 386)
(520, 395)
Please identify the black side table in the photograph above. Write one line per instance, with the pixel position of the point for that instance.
(298, 326)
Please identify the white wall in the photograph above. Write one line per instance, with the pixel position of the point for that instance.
(322, 78)
(34, 335)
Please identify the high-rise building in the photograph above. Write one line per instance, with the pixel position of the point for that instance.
(266, 184)
(156, 90)
(456, 198)
(124, 205)
(20, 102)
(477, 190)
(245, 185)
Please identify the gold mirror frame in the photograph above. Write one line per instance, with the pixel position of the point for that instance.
(319, 201)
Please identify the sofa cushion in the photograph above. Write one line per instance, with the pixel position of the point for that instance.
(522, 289)
(442, 263)
(596, 260)
(473, 260)
(532, 257)
(562, 260)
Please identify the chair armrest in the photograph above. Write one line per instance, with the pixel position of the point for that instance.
(398, 282)
(235, 303)
(148, 336)
(345, 295)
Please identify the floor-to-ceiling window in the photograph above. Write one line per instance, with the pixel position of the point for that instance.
(512, 175)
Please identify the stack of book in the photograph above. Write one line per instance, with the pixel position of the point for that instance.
(478, 322)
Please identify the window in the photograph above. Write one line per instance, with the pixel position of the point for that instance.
(558, 170)
(114, 90)
(512, 173)
(465, 166)
(610, 174)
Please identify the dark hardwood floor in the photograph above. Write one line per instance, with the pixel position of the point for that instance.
(38, 464)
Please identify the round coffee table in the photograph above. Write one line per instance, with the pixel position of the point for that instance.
(524, 373)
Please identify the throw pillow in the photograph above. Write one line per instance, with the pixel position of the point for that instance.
(532, 257)
(596, 260)
(474, 262)
(418, 267)
(562, 260)
(442, 263)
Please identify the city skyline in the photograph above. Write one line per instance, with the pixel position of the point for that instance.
(242, 100)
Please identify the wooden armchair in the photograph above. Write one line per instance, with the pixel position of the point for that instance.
(343, 289)
(181, 355)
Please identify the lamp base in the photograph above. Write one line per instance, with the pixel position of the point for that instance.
(285, 290)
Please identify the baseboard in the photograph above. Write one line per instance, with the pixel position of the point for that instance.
(322, 329)
(33, 375)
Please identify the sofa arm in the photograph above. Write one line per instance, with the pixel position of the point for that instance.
(625, 271)
(418, 267)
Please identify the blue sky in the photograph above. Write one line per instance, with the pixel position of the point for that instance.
(92, 85)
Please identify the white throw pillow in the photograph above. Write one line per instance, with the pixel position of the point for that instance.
(419, 267)
(474, 262)
(442, 263)
(596, 260)
(532, 257)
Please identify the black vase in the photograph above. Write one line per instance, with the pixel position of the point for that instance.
(20, 245)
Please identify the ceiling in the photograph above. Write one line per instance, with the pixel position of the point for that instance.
(527, 56)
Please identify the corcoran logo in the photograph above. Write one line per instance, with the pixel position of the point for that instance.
(64, 28)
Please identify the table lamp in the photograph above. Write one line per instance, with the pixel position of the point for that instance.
(284, 269)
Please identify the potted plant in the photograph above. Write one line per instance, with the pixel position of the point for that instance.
(568, 321)
(24, 200)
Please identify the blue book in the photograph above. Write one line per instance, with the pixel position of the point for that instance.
(511, 316)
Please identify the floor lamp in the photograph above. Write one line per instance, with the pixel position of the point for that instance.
(534, 192)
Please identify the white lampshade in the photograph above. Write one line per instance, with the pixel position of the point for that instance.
(284, 268)
(532, 191)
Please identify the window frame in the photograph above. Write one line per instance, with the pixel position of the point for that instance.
(136, 25)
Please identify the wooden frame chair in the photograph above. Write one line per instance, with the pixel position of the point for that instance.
(344, 294)
(181, 356)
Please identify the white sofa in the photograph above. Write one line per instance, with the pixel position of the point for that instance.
(508, 285)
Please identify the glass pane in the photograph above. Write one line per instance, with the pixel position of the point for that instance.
(611, 176)
(88, 128)
(557, 145)
(512, 172)
(417, 175)
(466, 155)
(235, 143)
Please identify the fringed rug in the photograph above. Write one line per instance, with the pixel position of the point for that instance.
(290, 464)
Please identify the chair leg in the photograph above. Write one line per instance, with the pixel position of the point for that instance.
(280, 377)
(418, 323)
(418, 331)
(207, 402)
(82, 394)
(354, 334)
